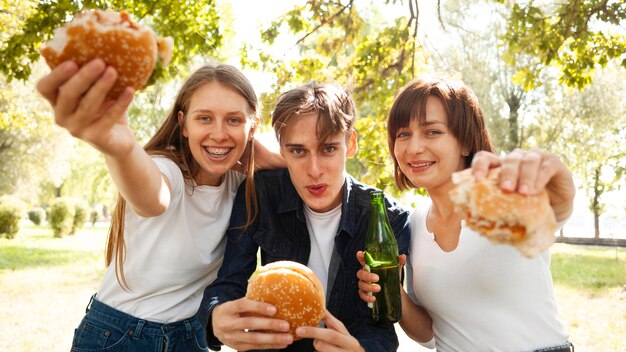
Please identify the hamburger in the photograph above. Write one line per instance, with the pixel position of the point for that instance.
(293, 288)
(524, 221)
(131, 48)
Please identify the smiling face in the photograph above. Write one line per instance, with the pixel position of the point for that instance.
(218, 128)
(427, 153)
(317, 171)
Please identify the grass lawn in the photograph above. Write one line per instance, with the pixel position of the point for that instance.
(46, 282)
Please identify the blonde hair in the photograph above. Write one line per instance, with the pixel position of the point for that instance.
(170, 143)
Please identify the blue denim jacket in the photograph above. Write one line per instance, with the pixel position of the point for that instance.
(280, 231)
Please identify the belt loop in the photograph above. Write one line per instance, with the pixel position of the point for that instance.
(90, 302)
(138, 329)
(188, 329)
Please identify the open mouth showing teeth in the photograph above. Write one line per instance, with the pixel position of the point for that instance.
(218, 152)
(422, 164)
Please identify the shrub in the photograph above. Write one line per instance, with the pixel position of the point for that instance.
(11, 210)
(81, 212)
(61, 216)
(37, 215)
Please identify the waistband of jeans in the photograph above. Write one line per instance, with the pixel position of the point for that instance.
(106, 313)
(566, 347)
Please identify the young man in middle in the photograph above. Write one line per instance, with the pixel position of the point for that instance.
(313, 213)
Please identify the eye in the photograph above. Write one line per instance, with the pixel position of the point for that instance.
(329, 149)
(204, 118)
(433, 132)
(235, 120)
(297, 151)
(402, 134)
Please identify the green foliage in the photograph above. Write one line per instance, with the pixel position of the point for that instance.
(585, 127)
(36, 215)
(11, 210)
(573, 35)
(344, 43)
(473, 51)
(61, 216)
(32, 150)
(196, 35)
(81, 213)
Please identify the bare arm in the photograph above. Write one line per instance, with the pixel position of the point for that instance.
(266, 159)
(415, 322)
(78, 97)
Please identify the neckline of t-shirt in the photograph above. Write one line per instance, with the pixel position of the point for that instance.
(325, 215)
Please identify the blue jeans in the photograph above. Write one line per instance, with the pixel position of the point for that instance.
(107, 329)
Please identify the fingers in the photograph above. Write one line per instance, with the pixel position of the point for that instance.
(402, 260)
(334, 338)
(334, 323)
(366, 287)
(244, 324)
(71, 93)
(91, 100)
(365, 281)
(525, 172)
(510, 170)
(49, 85)
(244, 305)
(482, 162)
(528, 172)
(551, 167)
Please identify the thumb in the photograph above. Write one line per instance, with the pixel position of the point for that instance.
(360, 256)
(402, 260)
(334, 323)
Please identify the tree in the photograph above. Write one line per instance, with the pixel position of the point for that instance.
(31, 149)
(475, 49)
(585, 127)
(347, 42)
(28, 29)
(39, 161)
(572, 35)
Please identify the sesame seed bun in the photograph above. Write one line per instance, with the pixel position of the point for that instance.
(132, 49)
(526, 222)
(293, 288)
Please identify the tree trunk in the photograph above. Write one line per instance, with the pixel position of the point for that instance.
(514, 104)
(595, 206)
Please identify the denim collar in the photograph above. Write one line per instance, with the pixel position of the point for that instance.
(291, 201)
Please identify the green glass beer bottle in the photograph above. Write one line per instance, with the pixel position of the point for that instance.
(381, 256)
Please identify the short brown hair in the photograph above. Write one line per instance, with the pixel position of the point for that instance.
(465, 118)
(336, 109)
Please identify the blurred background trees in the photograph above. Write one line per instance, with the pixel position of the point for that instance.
(547, 74)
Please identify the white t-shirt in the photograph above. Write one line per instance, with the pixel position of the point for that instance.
(171, 258)
(482, 296)
(322, 230)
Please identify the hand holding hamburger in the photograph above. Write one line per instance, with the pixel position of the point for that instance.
(293, 289)
(517, 200)
(98, 60)
(131, 48)
(284, 302)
